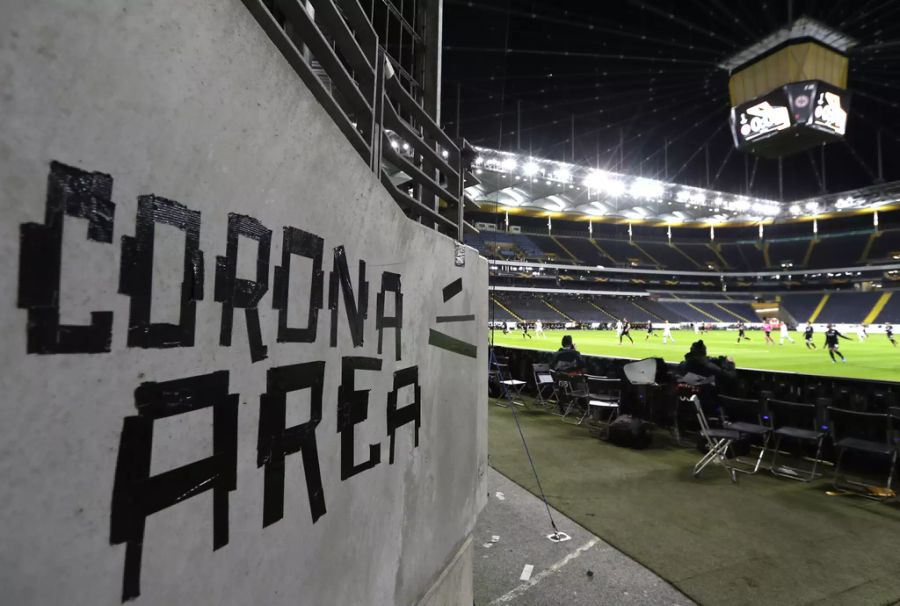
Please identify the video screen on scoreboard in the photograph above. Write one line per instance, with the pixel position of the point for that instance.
(761, 118)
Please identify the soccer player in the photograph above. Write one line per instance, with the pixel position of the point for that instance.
(696, 327)
(539, 329)
(626, 331)
(784, 333)
(667, 333)
(650, 332)
(742, 332)
(525, 330)
(767, 329)
(619, 330)
(861, 332)
(831, 343)
(808, 336)
(889, 331)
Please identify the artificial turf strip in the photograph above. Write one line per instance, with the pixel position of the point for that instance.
(874, 359)
(764, 540)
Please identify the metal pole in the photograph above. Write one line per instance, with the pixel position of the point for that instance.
(573, 139)
(621, 151)
(780, 181)
(880, 163)
(824, 174)
(666, 157)
(458, 96)
(706, 153)
(746, 174)
(519, 125)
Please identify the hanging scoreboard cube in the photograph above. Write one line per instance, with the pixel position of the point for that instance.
(789, 91)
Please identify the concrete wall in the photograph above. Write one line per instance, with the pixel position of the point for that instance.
(112, 450)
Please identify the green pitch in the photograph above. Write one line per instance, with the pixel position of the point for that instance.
(874, 359)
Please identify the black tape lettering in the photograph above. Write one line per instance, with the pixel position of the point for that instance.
(73, 192)
(411, 413)
(452, 289)
(136, 274)
(233, 292)
(303, 244)
(276, 440)
(356, 311)
(353, 408)
(390, 282)
(137, 494)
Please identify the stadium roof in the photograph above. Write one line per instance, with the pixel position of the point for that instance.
(526, 183)
(646, 84)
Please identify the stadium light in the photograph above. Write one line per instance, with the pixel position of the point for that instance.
(593, 180)
(683, 196)
(394, 144)
(509, 165)
(530, 168)
(562, 174)
(646, 189)
(614, 187)
(875, 218)
(795, 209)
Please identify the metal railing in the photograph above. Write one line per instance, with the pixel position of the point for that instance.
(334, 49)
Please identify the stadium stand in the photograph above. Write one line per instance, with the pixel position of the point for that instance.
(743, 256)
(581, 310)
(891, 311)
(667, 256)
(885, 246)
(838, 251)
(530, 308)
(782, 252)
(850, 307)
(801, 306)
(586, 251)
(702, 254)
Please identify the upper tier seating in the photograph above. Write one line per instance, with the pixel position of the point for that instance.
(886, 244)
(586, 252)
(743, 256)
(839, 251)
(668, 256)
(702, 254)
(787, 251)
(624, 253)
(529, 308)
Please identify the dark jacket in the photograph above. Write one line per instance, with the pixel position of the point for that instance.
(701, 365)
(567, 360)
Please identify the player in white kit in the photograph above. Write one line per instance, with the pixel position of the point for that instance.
(784, 333)
(861, 332)
(539, 329)
(667, 333)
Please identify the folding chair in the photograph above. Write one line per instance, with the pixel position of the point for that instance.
(545, 385)
(718, 442)
(796, 421)
(501, 366)
(604, 394)
(748, 418)
(865, 432)
(574, 392)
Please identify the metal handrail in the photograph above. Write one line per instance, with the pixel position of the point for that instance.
(339, 36)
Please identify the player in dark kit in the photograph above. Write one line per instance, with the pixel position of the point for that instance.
(889, 331)
(831, 343)
(626, 331)
(525, 330)
(742, 332)
(650, 332)
(808, 336)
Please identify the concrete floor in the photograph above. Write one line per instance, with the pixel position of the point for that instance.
(561, 572)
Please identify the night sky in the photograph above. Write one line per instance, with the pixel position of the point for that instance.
(642, 72)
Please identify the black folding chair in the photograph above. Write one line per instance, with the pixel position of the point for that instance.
(718, 442)
(604, 396)
(573, 393)
(800, 422)
(545, 385)
(869, 433)
(507, 382)
(750, 420)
